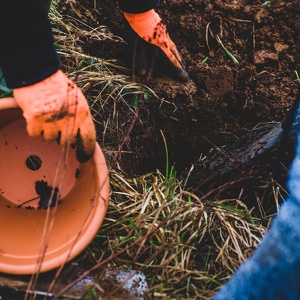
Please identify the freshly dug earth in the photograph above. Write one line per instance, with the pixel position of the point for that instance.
(224, 99)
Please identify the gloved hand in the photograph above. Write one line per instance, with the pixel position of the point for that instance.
(56, 108)
(150, 28)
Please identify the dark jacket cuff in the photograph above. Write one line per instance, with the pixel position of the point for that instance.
(26, 71)
(137, 6)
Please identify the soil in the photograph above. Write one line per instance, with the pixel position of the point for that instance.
(250, 81)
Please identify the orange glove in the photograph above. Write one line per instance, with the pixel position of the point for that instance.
(149, 27)
(56, 108)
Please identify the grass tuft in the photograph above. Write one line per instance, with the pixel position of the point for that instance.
(194, 245)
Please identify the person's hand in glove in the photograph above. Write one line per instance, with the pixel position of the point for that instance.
(150, 28)
(56, 108)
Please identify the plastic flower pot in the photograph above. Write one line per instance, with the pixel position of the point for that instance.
(51, 206)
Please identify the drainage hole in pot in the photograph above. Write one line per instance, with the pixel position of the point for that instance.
(33, 163)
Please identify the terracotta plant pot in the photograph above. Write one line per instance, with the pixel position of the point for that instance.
(51, 207)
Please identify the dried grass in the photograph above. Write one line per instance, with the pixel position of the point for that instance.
(187, 246)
